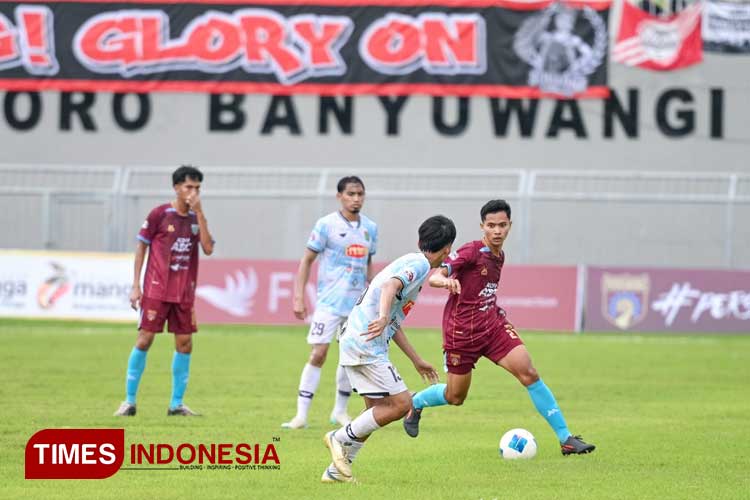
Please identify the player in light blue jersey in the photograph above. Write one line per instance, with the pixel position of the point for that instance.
(364, 341)
(345, 240)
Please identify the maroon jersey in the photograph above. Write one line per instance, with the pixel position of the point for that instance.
(471, 315)
(172, 269)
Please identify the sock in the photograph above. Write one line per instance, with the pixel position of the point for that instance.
(343, 391)
(359, 428)
(351, 453)
(136, 365)
(432, 396)
(308, 384)
(180, 375)
(547, 407)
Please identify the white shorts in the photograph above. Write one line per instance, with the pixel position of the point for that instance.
(323, 327)
(375, 380)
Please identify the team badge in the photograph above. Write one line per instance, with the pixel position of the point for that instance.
(484, 271)
(170, 228)
(194, 228)
(151, 314)
(409, 275)
(454, 359)
(625, 298)
(367, 235)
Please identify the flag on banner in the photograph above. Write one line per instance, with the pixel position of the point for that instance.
(726, 26)
(659, 43)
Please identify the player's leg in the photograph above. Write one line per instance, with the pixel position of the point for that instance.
(182, 323)
(387, 400)
(518, 362)
(322, 330)
(339, 414)
(454, 392)
(152, 318)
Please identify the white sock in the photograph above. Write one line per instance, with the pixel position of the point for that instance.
(343, 391)
(352, 451)
(359, 428)
(308, 384)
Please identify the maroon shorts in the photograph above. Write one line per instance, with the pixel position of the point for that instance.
(495, 346)
(154, 312)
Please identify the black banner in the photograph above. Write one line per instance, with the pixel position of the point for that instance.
(329, 47)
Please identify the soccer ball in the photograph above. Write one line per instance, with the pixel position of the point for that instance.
(517, 443)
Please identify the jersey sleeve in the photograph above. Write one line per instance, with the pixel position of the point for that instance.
(411, 271)
(457, 260)
(150, 226)
(374, 239)
(318, 237)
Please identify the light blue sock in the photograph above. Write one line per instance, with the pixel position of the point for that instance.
(180, 375)
(136, 365)
(547, 407)
(432, 396)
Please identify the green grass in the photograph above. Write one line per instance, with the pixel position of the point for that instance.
(670, 416)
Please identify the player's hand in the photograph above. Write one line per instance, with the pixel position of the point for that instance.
(194, 202)
(135, 297)
(452, 285)
(375, 329)
(426, 371)
(300, 311)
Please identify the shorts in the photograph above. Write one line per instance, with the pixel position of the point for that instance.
(324, 326)
(495, 347)
(376, 380)
(180, 317)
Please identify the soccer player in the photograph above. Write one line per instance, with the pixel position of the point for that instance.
(474, 326)
(346, 240)
(363, 347)
(171, 234)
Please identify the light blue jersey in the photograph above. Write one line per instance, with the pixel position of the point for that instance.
(344, 248)
(412, 269)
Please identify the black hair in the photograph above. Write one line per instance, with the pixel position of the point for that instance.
(493, 207)
(181, 174)
(435, 233)
(350, 179)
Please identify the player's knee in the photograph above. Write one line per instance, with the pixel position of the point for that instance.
(528, 376)
(401, 407)
(144, 340)
(455, 399)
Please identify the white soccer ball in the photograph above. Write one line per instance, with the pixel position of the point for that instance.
(517, 443)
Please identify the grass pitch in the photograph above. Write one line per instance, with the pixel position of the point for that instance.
(670, 416)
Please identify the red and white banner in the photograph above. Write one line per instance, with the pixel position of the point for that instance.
(659, 43)
(260, 292)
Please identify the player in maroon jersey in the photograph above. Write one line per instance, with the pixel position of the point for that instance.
(474, 326)
(171, 233)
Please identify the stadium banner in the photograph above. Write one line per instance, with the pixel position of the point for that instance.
(66, 285)
(659, 43)
(726, 27)
(499, 48)
(260, 292)
(667, 300)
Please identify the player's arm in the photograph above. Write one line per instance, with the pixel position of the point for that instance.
(440, 279)
(388, 293)
(135, 292)
(425, 369)
(207, 241)
(303, 274)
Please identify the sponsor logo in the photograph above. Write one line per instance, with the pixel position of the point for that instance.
(625, 298)
(560, 60)
(357, 251)
(342, 235)
(194, 228)
(182, 245)
(54, 287)
(170, 228)
(236, 297)
(407, 307)
(145, 224)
